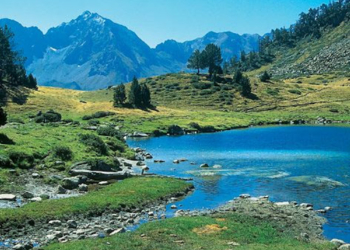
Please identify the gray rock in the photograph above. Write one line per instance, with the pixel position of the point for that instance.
(217, 166)
(36, 175)
(70, 183)
(120, 230)
(344, 247)
(27, 195)
(100, 175)
(173, 207)
(61, 190)
(83, 187)
(176, 161)
(244, 196)
(205, 165)
(72, 224)
(7, 197)
(337, 242)
(36, 199)
(55, 223)
(103, 183)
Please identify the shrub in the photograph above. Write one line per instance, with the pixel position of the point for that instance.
(93, 122)
(116, 145)
(5, 140)
(273, 92)
(295, 91)
(175, 130)
(22, 160)
(265, 77)
(63, 153)
(3, 117)
(109, 131)
(5, 162)
(202, 85)
(94, 143)
(49, 116)
(99, 114)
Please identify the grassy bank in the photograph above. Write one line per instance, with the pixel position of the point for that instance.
(220, 232)
(132, 192)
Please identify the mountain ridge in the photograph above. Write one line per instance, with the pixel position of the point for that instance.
(92, 52)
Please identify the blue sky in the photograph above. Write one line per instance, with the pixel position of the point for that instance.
(154, 21)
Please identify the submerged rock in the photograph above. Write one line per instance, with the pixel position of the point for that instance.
(7, 197)
(205, 165)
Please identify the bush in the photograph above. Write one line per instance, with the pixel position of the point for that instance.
(22, 160)
(116, 145)
(99, 114)
(5, 162)
(265, 77)
(94, 143)
(109, 131)
(5, 140)
(94, 123)
(202, 85)
(63, 153)
(295, 91)
(49, 116)
(175, 130)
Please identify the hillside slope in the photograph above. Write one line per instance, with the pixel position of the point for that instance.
(328, 54)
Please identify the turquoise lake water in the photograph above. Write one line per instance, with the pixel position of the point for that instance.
(289, 163)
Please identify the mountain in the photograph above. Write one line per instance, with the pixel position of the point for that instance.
(92, 52)
(231, 44)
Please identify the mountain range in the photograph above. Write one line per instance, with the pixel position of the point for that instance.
(92, 52)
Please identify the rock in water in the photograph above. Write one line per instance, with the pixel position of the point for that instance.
(205, 165)
(7, 197)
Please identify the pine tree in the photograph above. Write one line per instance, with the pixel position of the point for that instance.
(246, 88)
(213, 59)
(135, 93)
(196, 61)
(265, 77)
(145, 96)
(119, 96)
(238, 76)
(31, 82)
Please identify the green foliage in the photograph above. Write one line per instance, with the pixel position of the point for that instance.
(97, 115)
(202, 85)
(265, 77)
(139, 94)
(3, 117)
(295, 91)
(197, 61)
(5, 140)
(5, 162)
(49, 116)
(109, 131)
(94, 143)
(246, 88)
(62, 152)
(119, 95)
(22, 160)
(145, 95)
(175, 130)
(213, 59)
(117, 145)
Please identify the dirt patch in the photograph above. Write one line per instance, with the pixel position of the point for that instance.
(209, 229)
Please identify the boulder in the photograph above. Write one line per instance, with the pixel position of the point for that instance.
(159, 161)
(7, 197)
(61, 190)
(344, 247)
(173, 207)
(103, 183)
(101, 175)
(36, 175)
(205, 165)
(36, 199)
(337, 242)
(120, 230)
(244, 196)
(55, 223)
(27, 195)
(176, 161)
(70, 183)
(96, 166)
(72, 224)
(83, 187)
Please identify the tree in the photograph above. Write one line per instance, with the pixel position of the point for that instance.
(265, 77)
(246, 88)
(119, 96)
(135, 93)
(212, 57)
(196, 61)
(238, 76)
(3, 117)
(145, 96)
(32, 82)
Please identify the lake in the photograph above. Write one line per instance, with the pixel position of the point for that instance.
(289, 163)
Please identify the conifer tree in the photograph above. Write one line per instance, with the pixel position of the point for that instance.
(119, 96)
(196, 61)
(3, 117)
(135, 93)
(145, 95)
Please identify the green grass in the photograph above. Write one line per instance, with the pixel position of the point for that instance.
(131, 192)
(209, 233)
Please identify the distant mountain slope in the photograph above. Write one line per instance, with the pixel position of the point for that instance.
(231, 44)
(92, 52)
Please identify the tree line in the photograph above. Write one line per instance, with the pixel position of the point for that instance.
(139, 95)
